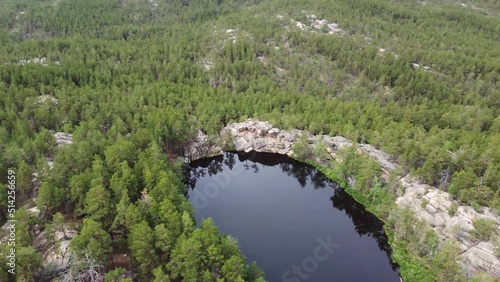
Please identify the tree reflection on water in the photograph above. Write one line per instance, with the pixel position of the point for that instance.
(366, 224)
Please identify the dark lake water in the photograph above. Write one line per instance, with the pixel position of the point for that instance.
(292, 220)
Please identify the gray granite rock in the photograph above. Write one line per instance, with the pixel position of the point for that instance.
(63, 138)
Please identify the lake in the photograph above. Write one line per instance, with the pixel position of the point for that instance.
(290, 218)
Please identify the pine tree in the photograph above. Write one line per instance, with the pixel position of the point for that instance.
(93, 240)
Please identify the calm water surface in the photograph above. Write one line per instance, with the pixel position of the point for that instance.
(291, 219)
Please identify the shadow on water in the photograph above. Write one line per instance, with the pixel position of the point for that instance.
(366, 224)
(300, 171)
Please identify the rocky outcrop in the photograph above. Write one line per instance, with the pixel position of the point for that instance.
(63, 138)
(429, 203)
(433, 206)
(41, 61)
(261, 136)
(43, 98)
(55, 251)
(201, 147)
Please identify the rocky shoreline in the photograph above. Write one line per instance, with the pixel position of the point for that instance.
(261, 136)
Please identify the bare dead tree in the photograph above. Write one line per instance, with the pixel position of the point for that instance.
(83, 269)
(444, 179)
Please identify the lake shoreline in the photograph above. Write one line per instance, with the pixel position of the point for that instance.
(261, 136)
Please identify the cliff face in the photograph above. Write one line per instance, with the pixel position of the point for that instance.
(261, 136)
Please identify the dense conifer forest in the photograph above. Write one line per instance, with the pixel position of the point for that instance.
(134, 80)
